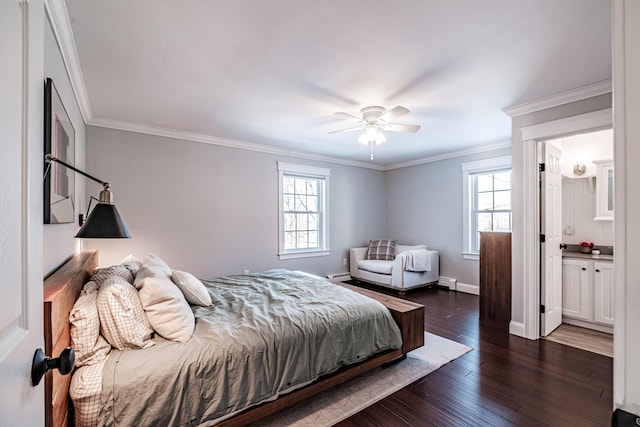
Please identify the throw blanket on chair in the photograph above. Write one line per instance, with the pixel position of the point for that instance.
(415, 260)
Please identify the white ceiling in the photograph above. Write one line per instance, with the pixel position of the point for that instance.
(273, 72)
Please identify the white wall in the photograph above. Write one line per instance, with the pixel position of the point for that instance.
(578, 211)
(59, 243)
(213, 210)
(424, 206)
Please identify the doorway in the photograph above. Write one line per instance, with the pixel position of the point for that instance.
(531, 159)
(577, 252)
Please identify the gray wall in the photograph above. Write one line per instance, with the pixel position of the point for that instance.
(424, 206)
(213, 210)
(59, 243)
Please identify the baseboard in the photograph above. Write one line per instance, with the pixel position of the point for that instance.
(447, 282)
(589, 325)
(467, 288)
(517, 328)
(339, 277)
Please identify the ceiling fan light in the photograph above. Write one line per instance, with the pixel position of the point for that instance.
(380, 138)
(363, 139)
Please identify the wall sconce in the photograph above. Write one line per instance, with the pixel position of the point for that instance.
(104, 221)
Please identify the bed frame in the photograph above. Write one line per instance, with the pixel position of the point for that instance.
(63, 287)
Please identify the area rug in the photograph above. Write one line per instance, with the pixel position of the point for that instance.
(344, 400)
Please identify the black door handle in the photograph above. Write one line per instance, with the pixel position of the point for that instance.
(41, 364)
(563, 246)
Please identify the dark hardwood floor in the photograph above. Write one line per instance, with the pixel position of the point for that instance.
(504, 381)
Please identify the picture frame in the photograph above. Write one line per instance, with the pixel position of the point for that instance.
(59, 141)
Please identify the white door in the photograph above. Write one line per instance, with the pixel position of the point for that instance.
(21, 106)
(550, 252)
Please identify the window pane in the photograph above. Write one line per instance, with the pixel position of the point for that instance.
(502, 181)
(288, 202)
(289, 222)
(301, 221)
(502, 200)
(300, 203)
(485, 221)
(290, 240)
(312, 187)
(301, 186)
(502, 221)
(485, 182)
(312, 203)
(485, 201)
(287, 185)
(313, 221)
(302, 241)
(313, 239)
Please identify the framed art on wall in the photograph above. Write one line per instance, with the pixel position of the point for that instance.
(59, 141)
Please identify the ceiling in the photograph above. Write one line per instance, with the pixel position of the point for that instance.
(274, 72)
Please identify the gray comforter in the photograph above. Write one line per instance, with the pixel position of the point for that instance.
(266, 334)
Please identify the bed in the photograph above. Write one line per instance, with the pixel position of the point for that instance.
(247, 358)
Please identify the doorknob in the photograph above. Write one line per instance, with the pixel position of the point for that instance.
(41, 364)
(563, 246)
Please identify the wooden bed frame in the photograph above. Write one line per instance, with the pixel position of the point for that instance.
(63, 287)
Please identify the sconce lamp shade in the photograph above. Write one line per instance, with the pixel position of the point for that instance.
(104, 222)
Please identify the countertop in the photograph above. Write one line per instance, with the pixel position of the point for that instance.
(582, 255)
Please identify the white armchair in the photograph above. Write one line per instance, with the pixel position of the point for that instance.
(394, 274)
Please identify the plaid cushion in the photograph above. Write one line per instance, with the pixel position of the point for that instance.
(382, 249)
(90, 347)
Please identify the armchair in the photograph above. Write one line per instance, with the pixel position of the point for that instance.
(394, 273)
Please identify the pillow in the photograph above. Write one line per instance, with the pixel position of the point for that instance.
(89, 346)
(152, 266)
(166, 308)
(122, 319)
(193, 289)
(102, 274)
(382, 249)
(132, 263)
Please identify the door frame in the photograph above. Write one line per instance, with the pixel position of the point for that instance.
(531, 136)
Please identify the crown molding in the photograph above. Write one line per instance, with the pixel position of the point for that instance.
(223, 142)
(452, 154)
(561, 98)
(58, 16)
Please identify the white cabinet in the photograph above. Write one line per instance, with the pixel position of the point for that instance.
(603, 287)
(604, 190)
(577, 292)
(588, 293)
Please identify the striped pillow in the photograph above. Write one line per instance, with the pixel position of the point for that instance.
(382, 250)
(89, 346)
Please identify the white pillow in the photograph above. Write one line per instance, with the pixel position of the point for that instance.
(166, 308)
(122, 319)
(193, 289)
(152, 266)
(89, 346)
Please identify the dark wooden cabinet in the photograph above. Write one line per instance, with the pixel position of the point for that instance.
(495, 279)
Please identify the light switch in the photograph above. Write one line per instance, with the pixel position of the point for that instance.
(568, 230)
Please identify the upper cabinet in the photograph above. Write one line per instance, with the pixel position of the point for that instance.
(604, 190)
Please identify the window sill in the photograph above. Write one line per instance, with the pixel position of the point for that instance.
(474, 256)
(304, 254)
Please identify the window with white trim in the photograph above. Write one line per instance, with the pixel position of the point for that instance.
(303, 211)
(487, 200)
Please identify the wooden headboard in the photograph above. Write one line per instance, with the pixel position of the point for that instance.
(61, 290)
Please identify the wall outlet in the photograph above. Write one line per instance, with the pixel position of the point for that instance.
(344, 261)
(245, 272)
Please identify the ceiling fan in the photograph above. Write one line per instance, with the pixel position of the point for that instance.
(372, 120)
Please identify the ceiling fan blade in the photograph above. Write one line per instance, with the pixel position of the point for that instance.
(394, 113)
(347, 129)
(397, 127)
(347, 115)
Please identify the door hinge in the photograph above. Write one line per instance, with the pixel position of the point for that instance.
(542, 309)
(542, 167)
(542, 238)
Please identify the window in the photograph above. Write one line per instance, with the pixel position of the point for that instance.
(303, 211)
(487, 200)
